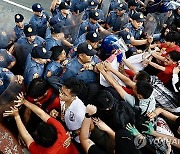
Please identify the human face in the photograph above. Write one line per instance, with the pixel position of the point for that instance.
(39, 14)
(168, 60)
(58, 2)
(119, 13)
(137, 24)
(178, 10)
(65, 94)
(94, 44)
(85, 58)
(65, 11)
(62, 56)
(31, 38)
(20, 24)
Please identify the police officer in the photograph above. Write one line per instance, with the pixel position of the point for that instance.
(83, 66)
(35, 63)
(132, 4)
(7, 60)
(113, 5)
(116, 18)
(39, 20)
(19, 28)
(91, 24)
(136, 29)
(5, 79)
(25, 44)
(57, 37)
(63, 14)
(79, 6)
(93, 5)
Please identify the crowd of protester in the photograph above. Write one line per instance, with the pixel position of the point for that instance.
(98, 76)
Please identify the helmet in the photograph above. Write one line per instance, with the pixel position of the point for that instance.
(109, 44)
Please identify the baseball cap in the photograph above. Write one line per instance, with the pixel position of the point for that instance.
(94, 15)
(122, 7)
(18, 18)
(92, 36)
(29, 30)
(64, 5)
(86, 48)
(138, 16)
(93, 4)
(40, 52)
(126, 36)
(37, 7)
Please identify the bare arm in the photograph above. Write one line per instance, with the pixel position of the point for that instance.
(159, 67)
(138, 42)
(38, 111)
(129, 66)
(157, 56)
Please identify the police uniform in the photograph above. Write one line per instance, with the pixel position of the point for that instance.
(5, 79)
(18, 30)
(54, 67)
(37, 22)
(32, 67)
(5, 58)
(113, 5)
(101, 14)
(79, 6)
(73, 68)
(55, 11)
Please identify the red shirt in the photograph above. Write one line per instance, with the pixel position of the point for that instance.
(57, 148)
(54, 105)
(166, 76)
(169, 49)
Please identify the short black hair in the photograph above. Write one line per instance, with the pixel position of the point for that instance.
(144, 88)
(172, 36)
(143, 76)
(104, 99)
(56, 51)
(45, 134)
(77, 87)
(174, 55)
(37, 88)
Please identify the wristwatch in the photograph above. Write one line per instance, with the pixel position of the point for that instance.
(87, 115)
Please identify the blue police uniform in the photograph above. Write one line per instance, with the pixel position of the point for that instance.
(26, 47)
(113, 5)
(40, 23)
(5, 79)
(32, 68)
(73, 70)
(136, 33)
(80, 40)
(19, 32)
(54, 67)
(51, 42)
(55, 11)
(60, 18)
(91, 27)
(5, 58)
(79, 5)
(115, 21)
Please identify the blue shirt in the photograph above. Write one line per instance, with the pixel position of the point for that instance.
(5, 58)
(5, 79)
(80, 40)
(136, 33)
(19, 32)
(54, 67)
(32, 68)
(40, 23)
(26, 47)
(73, 70)
(89, 25)
(51, 42)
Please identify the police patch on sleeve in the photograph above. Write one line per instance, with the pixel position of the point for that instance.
(128, 36)
(29, 29)
(96, 14)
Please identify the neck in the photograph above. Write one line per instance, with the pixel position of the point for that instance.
(68, 103)
(79, 59)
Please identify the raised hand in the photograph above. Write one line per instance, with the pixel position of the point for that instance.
(150, 127)
(20, 100)
(13, 112)
(132, 130)
(101, 125)
(107, 66)
(91, 109)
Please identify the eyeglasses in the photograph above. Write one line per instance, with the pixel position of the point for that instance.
(62, 92)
